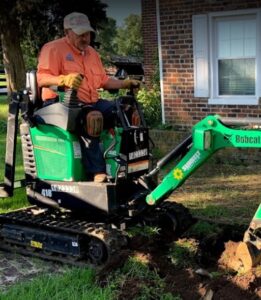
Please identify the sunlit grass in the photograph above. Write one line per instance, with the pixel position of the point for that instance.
(3, 107)
(182, 253)
(222, 192)
(19, 199)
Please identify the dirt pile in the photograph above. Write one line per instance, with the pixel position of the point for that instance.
(199, 276)
(205, 279)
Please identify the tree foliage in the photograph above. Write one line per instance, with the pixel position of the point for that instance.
(25, 25)
(106, 39)
(121, 41)
(30, 24)
(129, 38)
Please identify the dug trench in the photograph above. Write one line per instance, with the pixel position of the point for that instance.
(198, 275)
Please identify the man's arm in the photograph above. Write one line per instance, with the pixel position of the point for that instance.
(115, 84)
(72, 80)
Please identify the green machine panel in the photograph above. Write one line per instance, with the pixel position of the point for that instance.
(111, 141)
(57, 154)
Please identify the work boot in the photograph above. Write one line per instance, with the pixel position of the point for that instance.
(100, 177)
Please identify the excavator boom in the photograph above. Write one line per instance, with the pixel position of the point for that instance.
(208, 136)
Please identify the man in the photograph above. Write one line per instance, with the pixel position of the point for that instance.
(71, 62)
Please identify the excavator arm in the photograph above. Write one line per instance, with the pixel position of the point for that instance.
(208, 136)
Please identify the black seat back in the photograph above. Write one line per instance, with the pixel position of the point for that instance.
(64, 115)
(33, 89)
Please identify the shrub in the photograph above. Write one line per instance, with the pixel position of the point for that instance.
(150, 101)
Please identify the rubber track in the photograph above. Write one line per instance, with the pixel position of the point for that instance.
(113, 239)
(180, 212)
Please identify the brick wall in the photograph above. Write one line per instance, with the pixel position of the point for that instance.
(181, 108)
(150, 42)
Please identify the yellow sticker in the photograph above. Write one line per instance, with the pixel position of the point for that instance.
(178, 174)
(36, 244)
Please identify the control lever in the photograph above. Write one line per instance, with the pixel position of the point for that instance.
(132, 89)
(70, 97)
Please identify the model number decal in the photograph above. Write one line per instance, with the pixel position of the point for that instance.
(46, 192)
(191, 162)
(60, 188)
(65, 188)
(138, 153)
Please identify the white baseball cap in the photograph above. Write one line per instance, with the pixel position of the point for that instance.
(77, 22)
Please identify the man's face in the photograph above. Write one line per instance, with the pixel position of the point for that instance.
(81, 42)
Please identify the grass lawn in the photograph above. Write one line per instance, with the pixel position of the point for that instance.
(222, 192)
(19, 199)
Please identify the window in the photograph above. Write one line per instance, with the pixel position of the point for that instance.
(236, 76)
(226, 58)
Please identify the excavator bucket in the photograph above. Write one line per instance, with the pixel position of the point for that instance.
(248, 255)
(245, 255)
(240, 256)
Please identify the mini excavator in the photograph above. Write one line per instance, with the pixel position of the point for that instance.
(73, 218)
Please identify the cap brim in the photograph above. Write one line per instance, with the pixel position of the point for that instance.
(82, 29)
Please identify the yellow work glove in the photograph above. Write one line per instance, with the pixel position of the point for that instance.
(72, 80)
(131, 83)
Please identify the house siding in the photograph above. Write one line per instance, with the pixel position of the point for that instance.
(182, 109)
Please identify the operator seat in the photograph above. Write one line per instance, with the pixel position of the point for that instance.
(33, 89)
(61, 114)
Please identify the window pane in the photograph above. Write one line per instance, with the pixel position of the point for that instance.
(236, 76)
(236, 38)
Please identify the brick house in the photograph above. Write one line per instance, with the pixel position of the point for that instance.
(209, 54)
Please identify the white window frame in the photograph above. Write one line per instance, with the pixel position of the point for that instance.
(232, 100)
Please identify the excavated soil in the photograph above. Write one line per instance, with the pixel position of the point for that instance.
(191, 283)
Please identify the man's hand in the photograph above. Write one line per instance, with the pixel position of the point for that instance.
(72, 80)
(131, 83)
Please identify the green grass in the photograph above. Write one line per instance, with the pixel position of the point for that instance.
(148, 284)
(19, 199)
(182, 253)
(222, 192)
(75, 284)
(147, 231)
(202, 229)
(81, 284)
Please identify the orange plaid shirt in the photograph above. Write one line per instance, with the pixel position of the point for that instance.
(59, 57)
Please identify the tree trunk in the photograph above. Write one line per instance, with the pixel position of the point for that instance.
(12, 56)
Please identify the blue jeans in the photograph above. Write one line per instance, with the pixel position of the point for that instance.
(93, 159)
